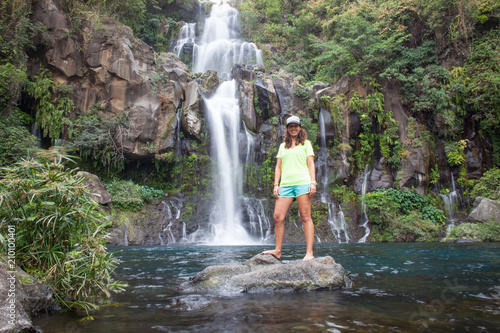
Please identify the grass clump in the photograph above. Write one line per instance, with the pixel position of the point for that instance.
(59, 230)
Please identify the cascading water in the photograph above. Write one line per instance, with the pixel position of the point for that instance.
(178, 126)
(219, 48)
(338, 224)
(186, 42)
(220, 45)
(224, 119)
(258, 218)
(250, 144)
(336, 219)
(450, 202)
(364, 216)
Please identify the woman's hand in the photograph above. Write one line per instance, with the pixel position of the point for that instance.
(312, 190)
(276, 191)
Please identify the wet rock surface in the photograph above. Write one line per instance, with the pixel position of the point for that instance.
(264, 273)
(21, 297)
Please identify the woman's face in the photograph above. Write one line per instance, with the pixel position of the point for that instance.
(293, 129)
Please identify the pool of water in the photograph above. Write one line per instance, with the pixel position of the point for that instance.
(430, 287)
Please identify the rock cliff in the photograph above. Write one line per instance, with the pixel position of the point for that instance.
(162, 102)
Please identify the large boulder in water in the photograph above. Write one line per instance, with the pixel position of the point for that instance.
(264, 273)
(485, 210)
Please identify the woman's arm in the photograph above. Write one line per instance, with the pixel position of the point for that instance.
(312, 173)
(277, 176)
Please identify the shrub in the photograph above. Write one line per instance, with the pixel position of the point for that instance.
(488, 186)
(126, 195)
(403, 216)
(95, 137)
(413, 228)
(52, 103)
(15, 141)
(59, 230)
(483, 232)
(129, 196)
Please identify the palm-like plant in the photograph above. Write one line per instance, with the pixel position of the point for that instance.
(60, 234)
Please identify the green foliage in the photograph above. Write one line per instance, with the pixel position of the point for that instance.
(426, 85)
(311, 129)
(302, 92)
(412, 228)
(157, 31)
(359, 45)
(481, 76)
(482, 232)
(15, 140)
(12, 80)
(95, 136)
(434, 175)
(260, 177)
(17, 31)
(59, 230)
(402, 215)
(52, 103)
(488, 186)
(149, 193)
(129, 196)
(455, 152)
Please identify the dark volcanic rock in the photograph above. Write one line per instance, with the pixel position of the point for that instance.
(21, 297)
(264, 273)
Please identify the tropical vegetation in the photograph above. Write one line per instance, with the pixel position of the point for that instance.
(444, 56)
(59, 230)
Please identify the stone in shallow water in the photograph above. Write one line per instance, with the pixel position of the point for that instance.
(264, 273)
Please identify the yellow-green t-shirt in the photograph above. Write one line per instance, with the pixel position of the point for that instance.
(294, 170)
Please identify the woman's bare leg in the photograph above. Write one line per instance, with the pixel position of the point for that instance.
(304, 202)
(280, 209)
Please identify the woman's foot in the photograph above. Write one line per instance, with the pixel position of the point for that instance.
(274, 253)
(309, 256)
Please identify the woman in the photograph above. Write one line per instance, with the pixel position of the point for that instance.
(295, 168)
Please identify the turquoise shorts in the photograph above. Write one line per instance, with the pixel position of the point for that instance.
(293, 191)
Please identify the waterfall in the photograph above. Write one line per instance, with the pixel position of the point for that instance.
(337, 223)
(170, 234)
(322, 161)
(450, 203)
(219, 48)
(336, 220)
(224, 118)
(178, 126)
(250, 150)
(184, 238)
(186, 42)
(260, 225)
(364, 187)
(125, 235)
(220, 45)
(36, 131)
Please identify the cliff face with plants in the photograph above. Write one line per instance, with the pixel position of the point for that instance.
(404, 94)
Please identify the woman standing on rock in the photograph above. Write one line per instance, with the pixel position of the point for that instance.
(295, 168)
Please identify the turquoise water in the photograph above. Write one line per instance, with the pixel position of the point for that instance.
(429, 287)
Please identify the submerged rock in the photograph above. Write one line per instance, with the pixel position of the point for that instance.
(264, 273)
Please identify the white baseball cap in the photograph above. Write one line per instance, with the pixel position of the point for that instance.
(293, 120)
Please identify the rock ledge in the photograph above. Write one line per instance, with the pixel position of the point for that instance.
(264, 273)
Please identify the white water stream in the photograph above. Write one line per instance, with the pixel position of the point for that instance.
(219, 48)
(220, 45)
(364, 215)
(336, 220)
